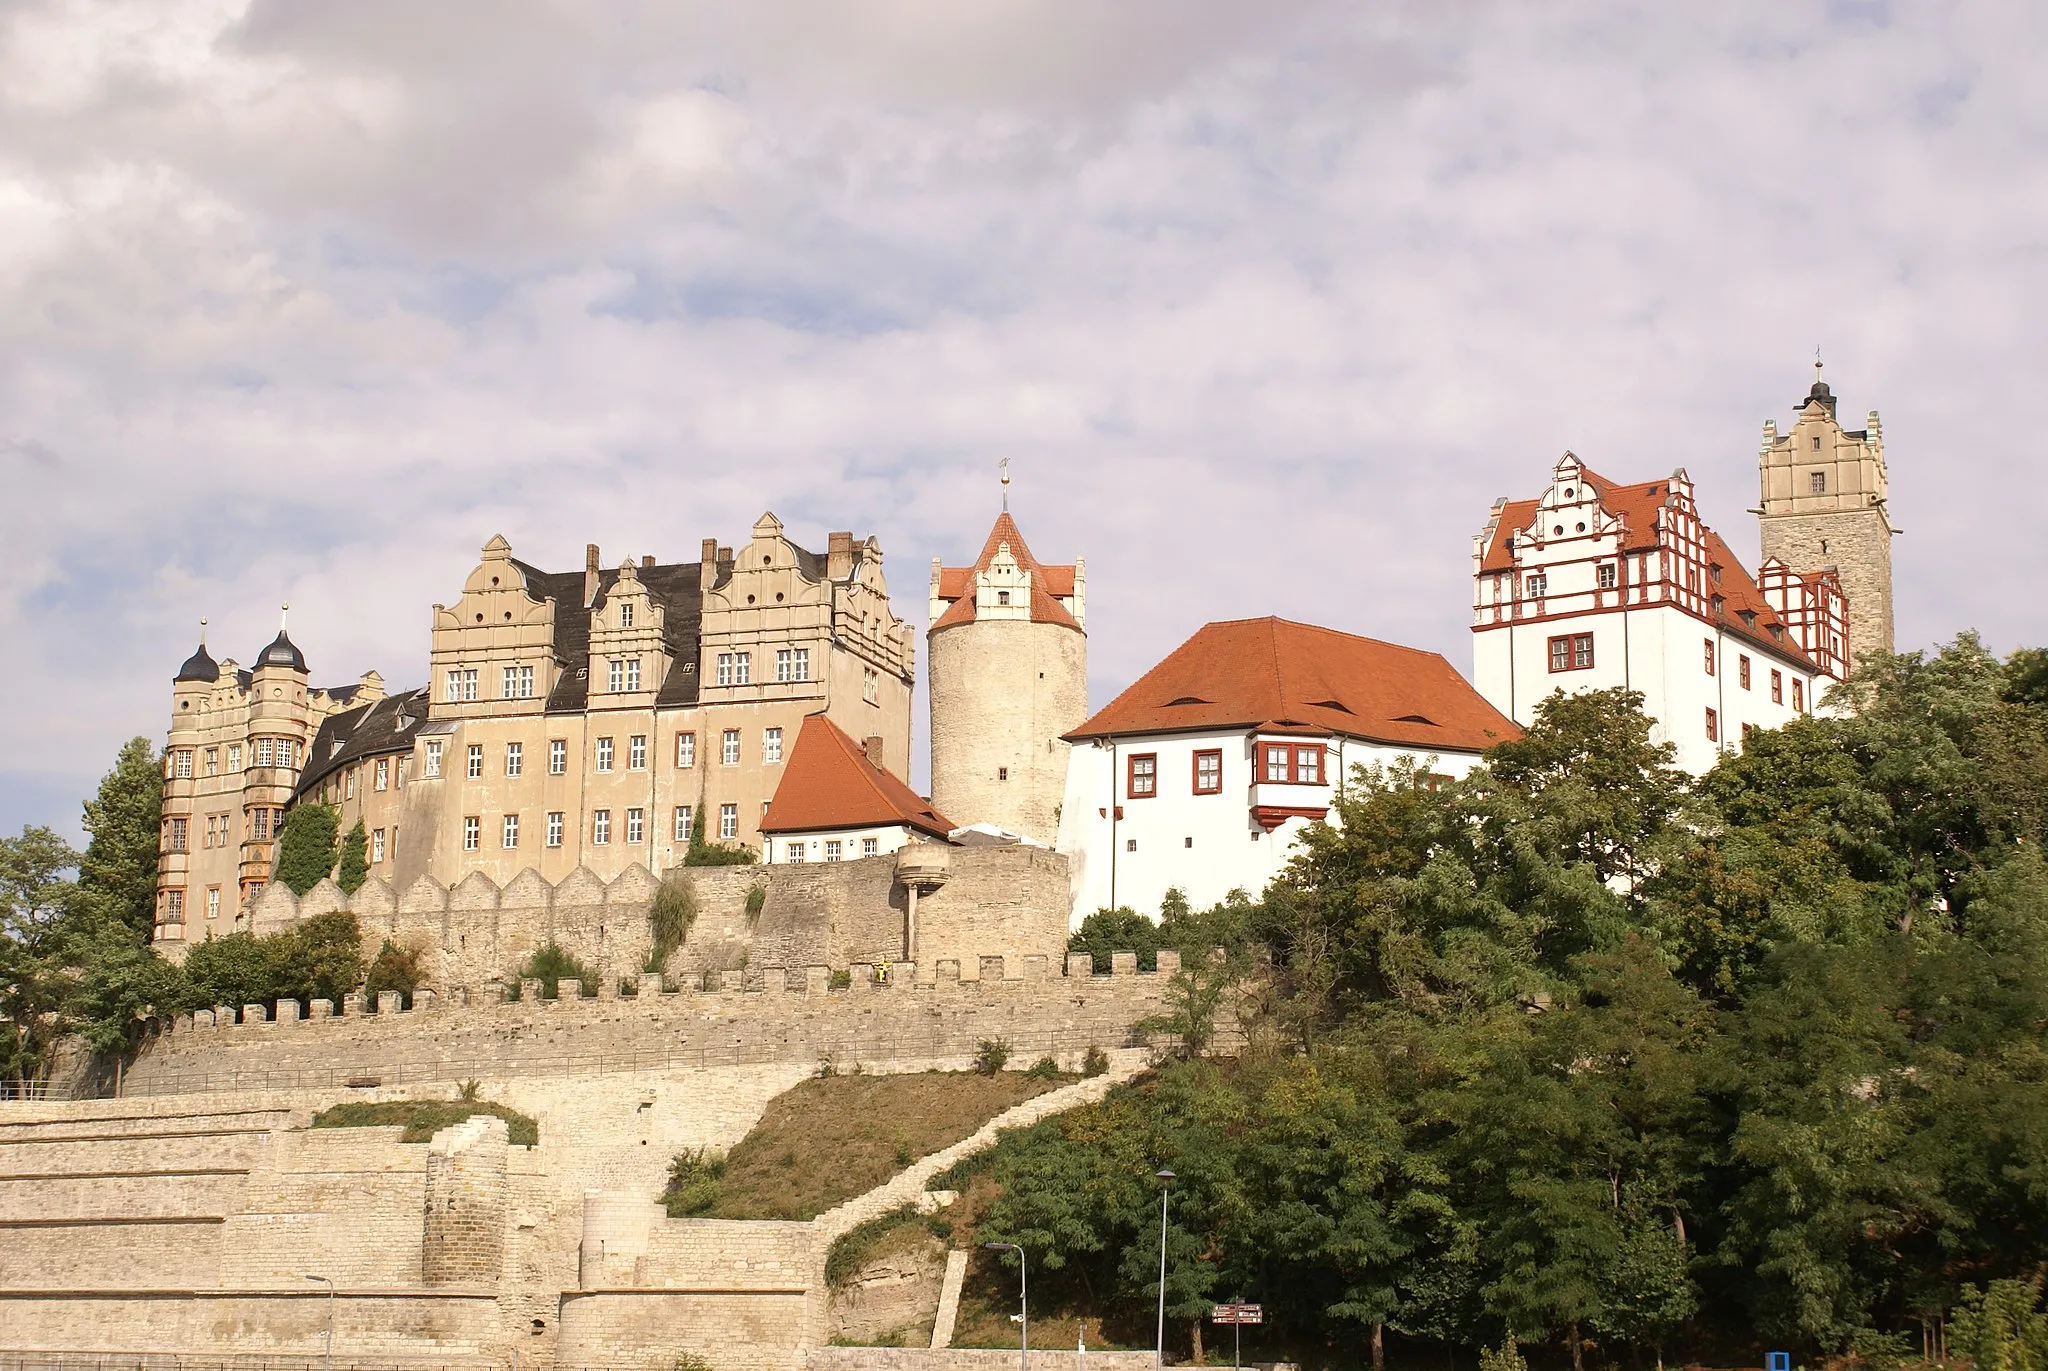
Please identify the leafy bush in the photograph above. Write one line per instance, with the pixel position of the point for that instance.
(669, 919)
(842, 979)
(354, 867)
(703, 853)
(2001, 1327)
(393, 968)
(693, 1181)
(551, 964)
(1506, 1357)
(757, 898)
(305, 846)
(1044, 1069)
(1117, 930)
(993, 1056)
(845, 1258)
(1095, 1061)
(316, 958)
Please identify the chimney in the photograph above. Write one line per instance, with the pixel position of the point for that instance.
(589, 575)
(872, 745)
(725, 556)
(647, 562)
(707, 564)
(839, 556)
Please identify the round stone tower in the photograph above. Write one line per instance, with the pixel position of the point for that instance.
(1008, 676)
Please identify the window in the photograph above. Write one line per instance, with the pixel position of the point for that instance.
(554, 828)
(472, 832)
(1002, 773)
(558, 756)
(1002, 597)
(178, 835)
(728, 821)
(795, 851)
(785, 664)
(1279, 767)
(618, 675)
(632, 673)
(383, 781)
(1293, 765)
(1143, 780)
(871, 685)
(1130, 844)
(1713, 727)
(1742, 670)
(1798, 695)
(1777, 687)
(462, 684)
(266, 752)
(1571, 652)
(725, 668)
(1817, 482)
(601, 826)
(1709, 644)
(518, 682)
(800, 669)
(771, 746)
(515, 758)
(1308, 766)
(213, 902)
(259, 825)
(1538, 584)
(604, 754)
(476, 761)
(1209, 773)
(174, 906)
(742, 668)
(213, 761)
(626, 614)
(1605, 575)
(376, 846)
(511, 838)
(682, 823)
(433, 765)
(869, 847)
(348, 785)
(234, 756)
(181, 763)
(832, 849)
(636, 752)
(729, 750)
(636, 825)
(686, 749)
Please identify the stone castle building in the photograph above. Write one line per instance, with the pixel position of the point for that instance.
(232, 758)
(587, 719)
(1823, 508)
(1009, 678)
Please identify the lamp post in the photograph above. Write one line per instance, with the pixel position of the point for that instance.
(328, 1359)
(1023, 1304)
(1165, 1179)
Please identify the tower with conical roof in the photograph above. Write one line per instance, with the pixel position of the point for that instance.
(1823, 509)
(1008, 677)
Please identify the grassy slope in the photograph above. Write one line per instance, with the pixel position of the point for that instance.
(836, 1137)
(424, 1118)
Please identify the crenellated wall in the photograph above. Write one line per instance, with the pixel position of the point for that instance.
(1007, 901)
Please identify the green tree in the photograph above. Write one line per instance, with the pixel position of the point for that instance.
(354, 866)
(393, 968)
(117, 871)
(1122, 929)
(704, 853)
(306, 846)
(36, 893)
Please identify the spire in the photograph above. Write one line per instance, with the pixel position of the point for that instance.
(283, 612)
(1004, 467)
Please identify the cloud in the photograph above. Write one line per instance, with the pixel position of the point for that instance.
(1267, 303)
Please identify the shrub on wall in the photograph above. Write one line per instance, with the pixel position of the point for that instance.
(305, 847)
(693, 1179)
(669, 919)
(354, 867)
(394, 968)
(702, 853)
(551, 964)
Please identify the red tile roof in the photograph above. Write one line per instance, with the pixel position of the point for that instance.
(1277, 675)
(829, 783)
(1637, 505)
(1047, 582)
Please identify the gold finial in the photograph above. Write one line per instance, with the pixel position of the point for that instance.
(283, 612)
(1816, 362)
(1004, 467)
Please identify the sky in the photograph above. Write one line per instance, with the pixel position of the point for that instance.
(1266, 304)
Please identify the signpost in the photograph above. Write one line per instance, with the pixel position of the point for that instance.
(1237, 1316)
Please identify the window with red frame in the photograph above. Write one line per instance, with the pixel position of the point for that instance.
(1799, 695)
(1710, 656)
(1209, 773)
(1742, 670)
(1571, 652)
(1777, 687)
(1292, 763)
(1143, 780)
(1713, 727)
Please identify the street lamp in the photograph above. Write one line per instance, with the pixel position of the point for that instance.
(1023, 1304)
(328, 1360)
(1165, 1179)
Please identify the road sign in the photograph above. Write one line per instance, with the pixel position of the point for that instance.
(1237, 1313)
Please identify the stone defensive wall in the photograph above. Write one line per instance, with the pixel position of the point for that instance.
(979, 901)
(788, 1017)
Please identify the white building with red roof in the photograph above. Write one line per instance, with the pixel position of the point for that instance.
(837, 802)
(1594, 584)
(1202, 774)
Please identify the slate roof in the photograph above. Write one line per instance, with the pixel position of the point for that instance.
(677, 587)
(829, 784)
(957, 583)
(200, 666)
(281, 652)
(1275, 675)
(380, 728)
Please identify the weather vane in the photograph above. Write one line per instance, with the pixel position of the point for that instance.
(1816, 361)
(1004, 466)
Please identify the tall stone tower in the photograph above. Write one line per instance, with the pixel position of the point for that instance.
(1824, 508)
(1008, 677)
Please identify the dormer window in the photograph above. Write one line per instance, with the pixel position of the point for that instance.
(1002, 597)
(626, 615)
